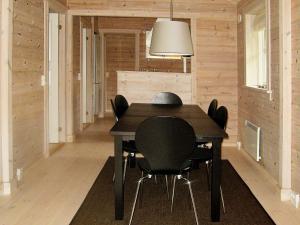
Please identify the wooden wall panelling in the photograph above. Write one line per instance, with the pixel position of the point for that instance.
(296, 95)
(217, 67)
(27, 92)
(255, 105)
(76, 74)
(143, 86)
(147, 6)
(120, 55)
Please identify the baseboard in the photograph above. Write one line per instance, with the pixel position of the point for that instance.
(285, 194)
(70, 138)
(8, 187)
(229, 144)
(295, 199)
(54, 148)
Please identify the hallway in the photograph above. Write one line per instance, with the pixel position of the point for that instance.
(53, 189)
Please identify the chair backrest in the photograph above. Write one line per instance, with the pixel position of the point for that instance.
(113, 109)
(167, 98)
(165, 142)
(121, 105)
(212, 108)
(221, 117)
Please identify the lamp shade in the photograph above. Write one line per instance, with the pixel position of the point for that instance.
(171, 38)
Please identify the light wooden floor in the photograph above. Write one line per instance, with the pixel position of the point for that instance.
(53, 189)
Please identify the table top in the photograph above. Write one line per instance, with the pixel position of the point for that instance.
(205, 128)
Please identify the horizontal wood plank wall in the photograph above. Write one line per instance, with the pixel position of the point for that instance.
(296, 95)
(254, 105)
(201, 6)
(216, 48)
(143, 86)
(27, 92)
(76, 71)
(143, 24)
(120, 55)
(217, 66)
(64, 2)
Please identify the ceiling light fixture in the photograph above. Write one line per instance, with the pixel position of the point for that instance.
(171, 38)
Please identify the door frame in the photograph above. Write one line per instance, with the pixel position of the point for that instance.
(6, 148)
(102, 32)
(57, 7)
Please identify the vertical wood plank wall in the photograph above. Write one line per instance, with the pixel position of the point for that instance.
(76, 71)
(254, 105)
(27, 92)
(216, 48)
(296, 95)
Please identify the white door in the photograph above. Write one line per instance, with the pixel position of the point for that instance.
(98, 86)
(84, 76)
(53, 79)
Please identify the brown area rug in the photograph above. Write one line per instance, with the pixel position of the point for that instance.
(242, 208)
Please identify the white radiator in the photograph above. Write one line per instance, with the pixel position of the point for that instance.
(252, 139)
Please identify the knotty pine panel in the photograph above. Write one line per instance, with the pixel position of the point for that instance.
(296, 95)
(120, 55)
(255, 105)
(27, 92)
(143, 86)
(217, 67)
(76, 71)
(187, 6)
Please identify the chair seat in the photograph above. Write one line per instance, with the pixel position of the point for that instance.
(129, 146)
(145, 167)
(202, 154)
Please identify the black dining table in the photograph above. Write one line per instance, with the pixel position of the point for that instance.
(205, 128)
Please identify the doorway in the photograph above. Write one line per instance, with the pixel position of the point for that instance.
(56, 96)
(98, 77)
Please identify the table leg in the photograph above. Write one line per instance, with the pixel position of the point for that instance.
(216, 181)
(119, 187)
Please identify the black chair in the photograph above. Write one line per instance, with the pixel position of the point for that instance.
(201, 155)
(212, 108)
(128, 146)
(167, 98)
(121, 105)
(114, 110)
(211, 113)
(166, 144)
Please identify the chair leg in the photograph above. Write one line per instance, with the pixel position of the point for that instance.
(114, 176)
(125, 168)
(173, 192)
(222, 198)
(155, 179)
(141, 193)
(167, 186)
(192, 198)
(136, 195)
(208, 174)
